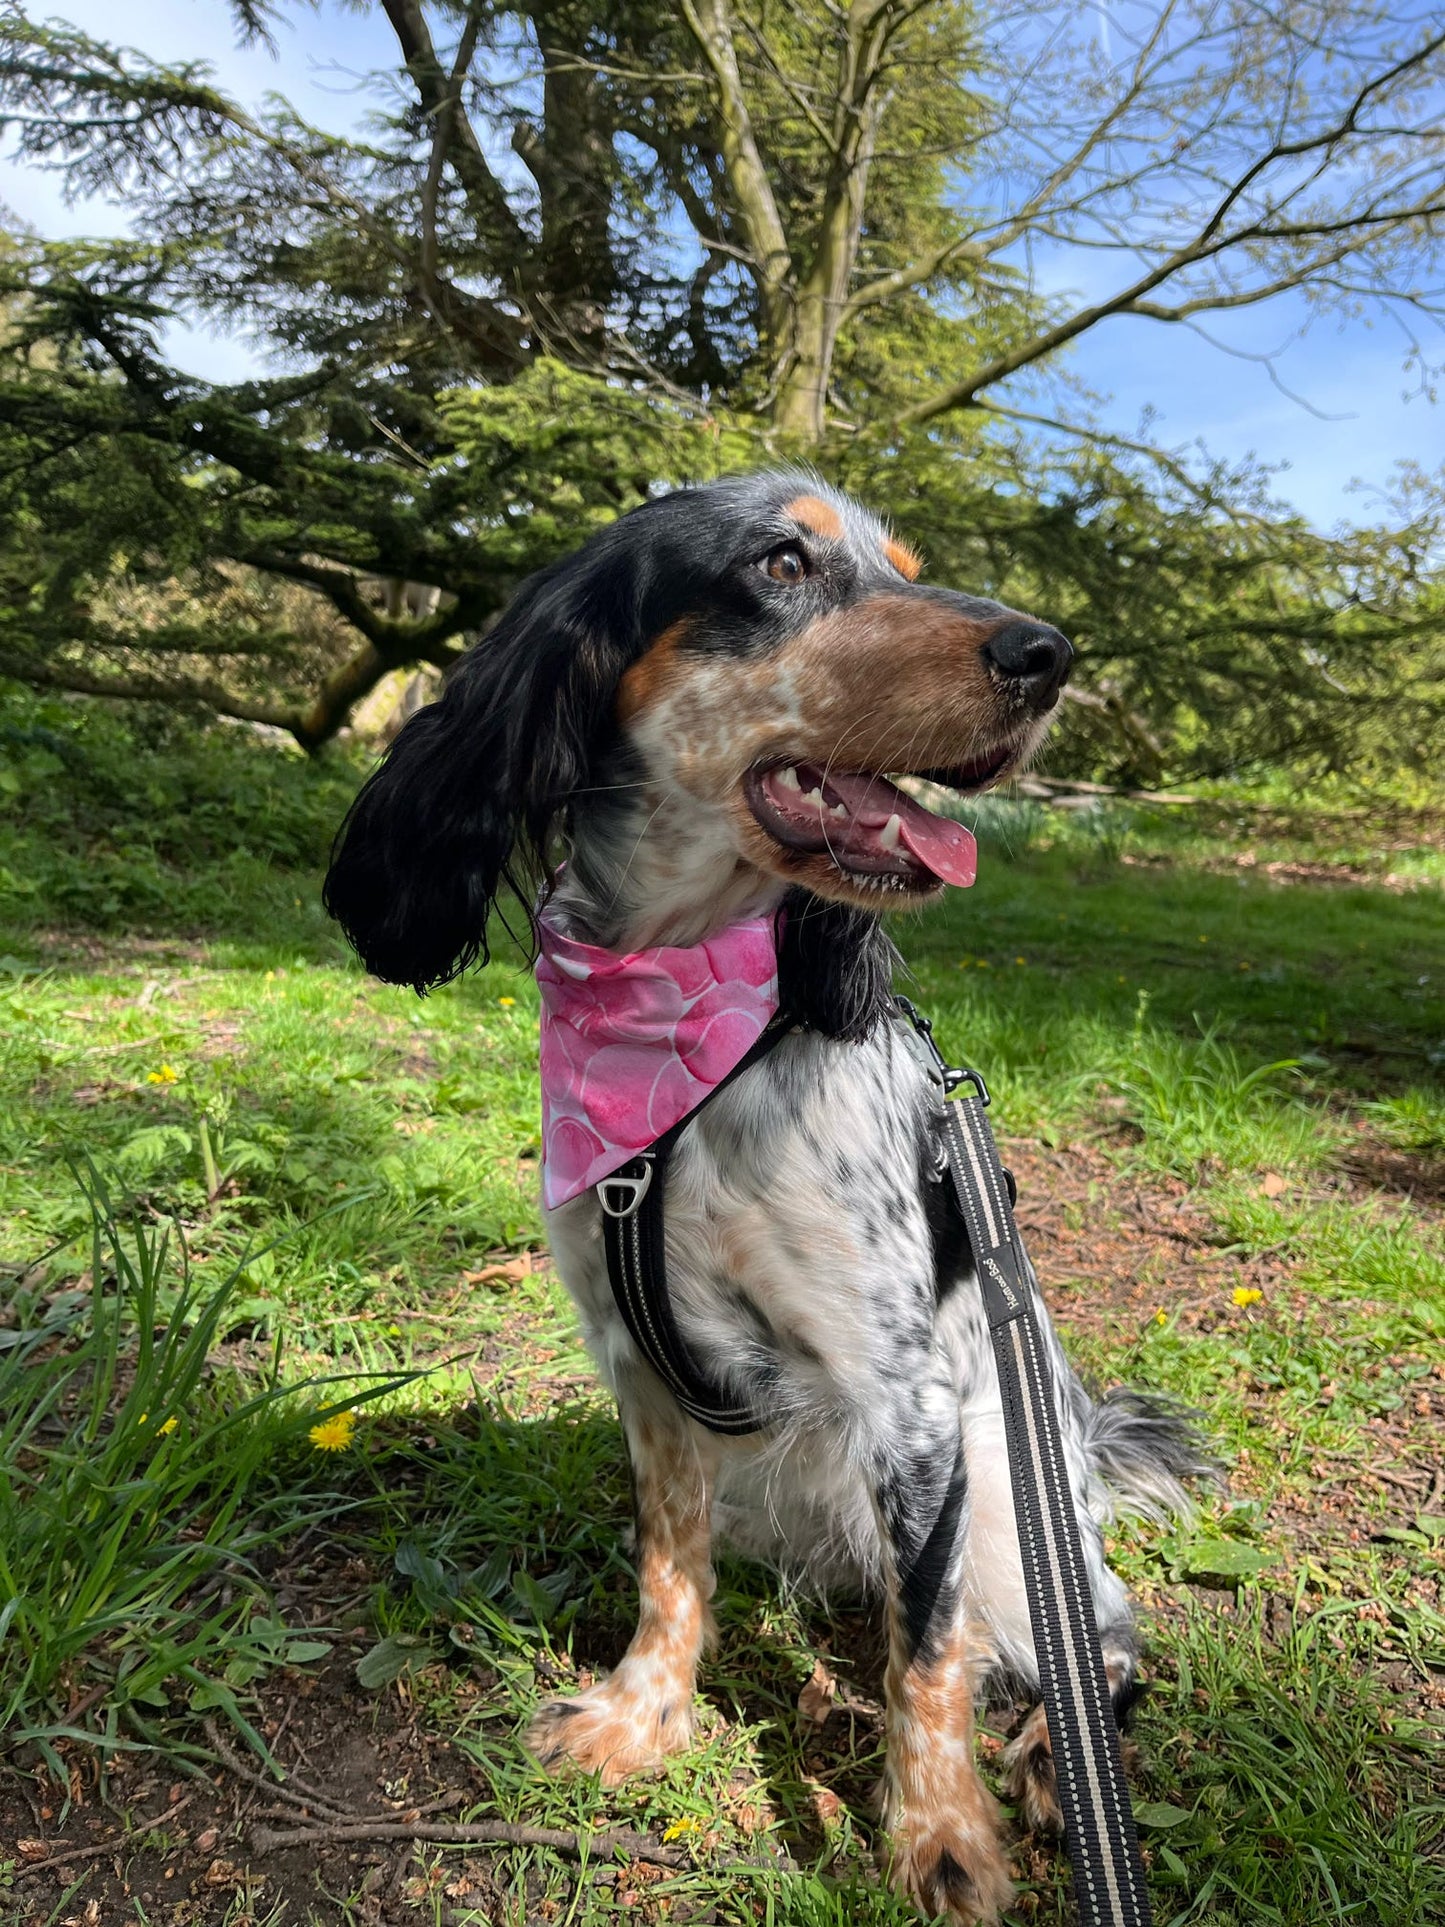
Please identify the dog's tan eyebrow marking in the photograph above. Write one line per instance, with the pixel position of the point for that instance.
(643, 682)
(815, 515)
(904, 558)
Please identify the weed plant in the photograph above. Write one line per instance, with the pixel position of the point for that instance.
(133, 1475)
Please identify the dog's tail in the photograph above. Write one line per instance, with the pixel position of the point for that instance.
(1148, 1450)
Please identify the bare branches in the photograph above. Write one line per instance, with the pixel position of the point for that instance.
(439, 93)
(444, 117)
(1226, 167)
(757, 210)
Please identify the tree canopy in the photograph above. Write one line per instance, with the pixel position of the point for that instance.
(578, 253)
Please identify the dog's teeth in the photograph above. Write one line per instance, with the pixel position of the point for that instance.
(788, 779)
(890, 833)
(839, 809)
(814, 795)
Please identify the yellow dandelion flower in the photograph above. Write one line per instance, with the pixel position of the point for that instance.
(682, 1827)
(506, 1002)
(162, 1431)
(1021, 960)
(333, 1434)
(1161, 1318)
(167, 1074)
(1247, 1295)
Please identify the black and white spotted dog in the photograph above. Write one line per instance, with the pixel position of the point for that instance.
(682, 711)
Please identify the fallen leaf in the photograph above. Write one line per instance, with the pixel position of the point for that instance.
(32, 1849)
(815, 1702)
(1158, 1813)
(206, 1841)
(826, 1803)
(1274, 1185)
(510, 1273)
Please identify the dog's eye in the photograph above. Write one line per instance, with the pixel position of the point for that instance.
(787, 564)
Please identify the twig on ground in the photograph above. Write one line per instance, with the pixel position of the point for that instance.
(503, 1833)
(63, 1856)
(276, 1789)
(480, 1833)
(1394, 1478)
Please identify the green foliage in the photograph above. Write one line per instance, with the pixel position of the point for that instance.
(132, 1473)
(138, 819)
(1290, 1814)
(732, 234)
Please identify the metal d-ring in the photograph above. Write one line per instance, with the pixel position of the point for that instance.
(632, 1183)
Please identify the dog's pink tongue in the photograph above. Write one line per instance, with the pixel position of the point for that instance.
(942, 846)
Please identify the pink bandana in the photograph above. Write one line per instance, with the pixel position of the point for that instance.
(630, 1044)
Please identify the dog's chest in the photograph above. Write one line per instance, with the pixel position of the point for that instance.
(799, 1250)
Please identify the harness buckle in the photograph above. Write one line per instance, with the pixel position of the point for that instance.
(633, 1185)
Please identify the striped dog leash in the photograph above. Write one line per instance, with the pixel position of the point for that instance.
(1088, 1763)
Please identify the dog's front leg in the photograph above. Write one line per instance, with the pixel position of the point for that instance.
(946, 1854)
(642, 1712)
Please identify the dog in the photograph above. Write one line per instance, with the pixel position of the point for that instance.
(694, 727)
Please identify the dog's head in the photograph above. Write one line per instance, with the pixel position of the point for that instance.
(735, 671)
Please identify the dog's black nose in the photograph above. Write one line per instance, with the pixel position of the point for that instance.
(1034, 657)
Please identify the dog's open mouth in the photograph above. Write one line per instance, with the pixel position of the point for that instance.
(867, 825)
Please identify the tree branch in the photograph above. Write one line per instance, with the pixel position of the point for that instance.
(445, 117)
(710, 22)
(434, 91)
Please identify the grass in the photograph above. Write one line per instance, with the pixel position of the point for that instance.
(243, 1188)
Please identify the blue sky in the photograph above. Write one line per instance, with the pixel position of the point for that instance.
(1350, 372)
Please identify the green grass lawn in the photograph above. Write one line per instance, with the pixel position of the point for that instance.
(253, 1206)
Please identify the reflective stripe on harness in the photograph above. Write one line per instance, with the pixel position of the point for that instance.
(1098, 1819)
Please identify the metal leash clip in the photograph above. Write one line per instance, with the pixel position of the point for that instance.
(949, 1075)
(632, 1182)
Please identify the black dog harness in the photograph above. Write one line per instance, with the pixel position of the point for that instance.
(1098, 1819)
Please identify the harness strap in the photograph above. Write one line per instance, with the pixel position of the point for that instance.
(632, 1234)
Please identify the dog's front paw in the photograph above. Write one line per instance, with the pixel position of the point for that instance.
(614, 1730)
(1032, 1783)
(952, 1869)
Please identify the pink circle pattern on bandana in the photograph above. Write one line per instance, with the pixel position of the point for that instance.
(632, 1043)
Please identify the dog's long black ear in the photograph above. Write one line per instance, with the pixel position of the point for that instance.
(474, 787)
